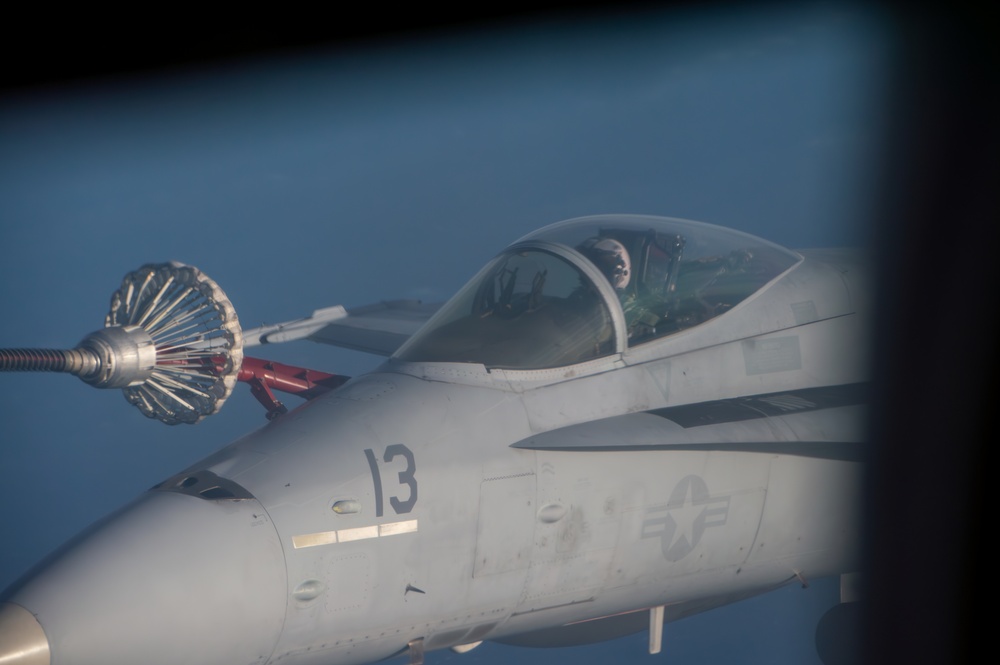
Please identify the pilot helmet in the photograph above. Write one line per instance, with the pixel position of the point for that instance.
(611, 258)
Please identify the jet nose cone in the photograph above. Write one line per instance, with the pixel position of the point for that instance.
(171, 579)
(22, 640)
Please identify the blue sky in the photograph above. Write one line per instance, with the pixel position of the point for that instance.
(395, 171)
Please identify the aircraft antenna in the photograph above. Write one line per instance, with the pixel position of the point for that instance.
(171, 342)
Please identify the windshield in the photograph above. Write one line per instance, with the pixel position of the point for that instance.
(528, 309)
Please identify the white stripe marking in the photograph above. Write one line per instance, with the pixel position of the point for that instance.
(350, 535)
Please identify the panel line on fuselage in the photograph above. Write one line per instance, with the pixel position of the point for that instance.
(766, 405)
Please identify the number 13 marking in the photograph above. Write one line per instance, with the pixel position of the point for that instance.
(405, 478)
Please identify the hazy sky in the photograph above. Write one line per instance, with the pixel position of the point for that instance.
(395, 172)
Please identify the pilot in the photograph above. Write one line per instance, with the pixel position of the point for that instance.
(611, 258)
(641, 314)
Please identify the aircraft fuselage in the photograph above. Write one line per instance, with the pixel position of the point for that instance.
(441, 504)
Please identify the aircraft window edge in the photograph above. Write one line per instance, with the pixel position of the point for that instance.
(604, 288)
(578, 370)
(423, 347)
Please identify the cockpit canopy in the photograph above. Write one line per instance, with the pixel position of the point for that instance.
(588, 287)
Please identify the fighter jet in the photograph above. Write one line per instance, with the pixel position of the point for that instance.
(620, 421)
